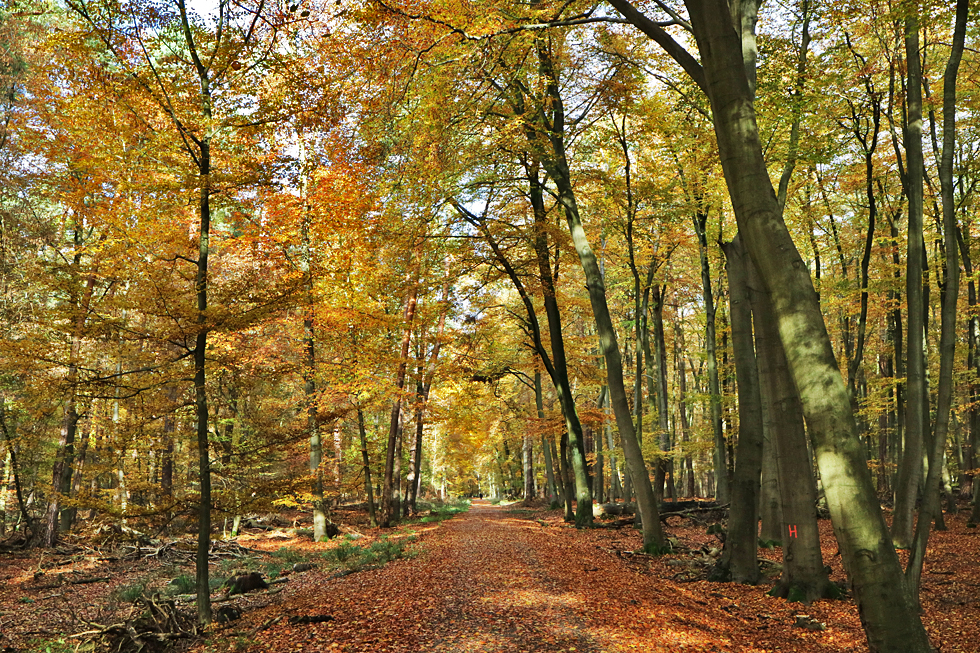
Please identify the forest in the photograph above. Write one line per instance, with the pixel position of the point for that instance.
(633, 256)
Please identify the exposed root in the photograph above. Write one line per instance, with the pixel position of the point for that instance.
(154, 625)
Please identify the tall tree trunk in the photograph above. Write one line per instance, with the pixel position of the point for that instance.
(968, 482)
(917, 399)
(559, 475)
(770, 512)
(309, 346)
(61, 475)
(390, 504)
(558, 170)
(169, 429)
(722, 492)
(656, 372)
(69, 514)
(891, 621)
(200, 393)
(426, 376)
(804, 577)
(583, 497)
(415, 450)
(368, 488)
(546, 445)
(739, 562)
(615, 483)
(895, 336)
(685, 421)
(8, 430)
(527, 464)
(565, 476)
(555, 363)
(598, 484)
(396, 487)
(947, 344)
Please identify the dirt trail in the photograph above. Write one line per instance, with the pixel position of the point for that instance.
(494, 581)
(481, 584)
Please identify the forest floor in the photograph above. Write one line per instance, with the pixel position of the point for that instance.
(495, 579)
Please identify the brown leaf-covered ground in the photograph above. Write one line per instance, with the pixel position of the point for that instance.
(515, 579)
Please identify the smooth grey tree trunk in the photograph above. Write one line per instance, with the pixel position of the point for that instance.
(548, 140)
(563, 386)
(770, 512)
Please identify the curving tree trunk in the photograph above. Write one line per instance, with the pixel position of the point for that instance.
(551, 143)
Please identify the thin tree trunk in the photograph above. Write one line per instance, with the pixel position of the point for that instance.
(615, 480)
(415, 450)
(368, 488)
(64, 463)
(656, 367)
(7, 430)
(390, 504)
(722, 491)
(201, 396)
(947, 345)
(558, 170)
(565, 476)
(968, 481)
(682, 415)
(559, 477)
(917, 400)
(309, 347)
(426, 376)
(546, 446)
(583, 496)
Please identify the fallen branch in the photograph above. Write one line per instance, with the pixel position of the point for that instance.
(158, 622)
(266, 624)
(62, 580)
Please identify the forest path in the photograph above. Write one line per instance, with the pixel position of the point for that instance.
(490, 580)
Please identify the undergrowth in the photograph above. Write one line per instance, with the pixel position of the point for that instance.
(353, 557)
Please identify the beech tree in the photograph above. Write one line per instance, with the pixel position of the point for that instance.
(890, 618)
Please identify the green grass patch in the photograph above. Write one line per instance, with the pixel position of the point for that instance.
(439, 511)
(353, 557)
(129, 593)
(287, 555)
(53, 646)
(182, 584)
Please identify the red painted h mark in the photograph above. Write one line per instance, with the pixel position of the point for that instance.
(792, 530)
